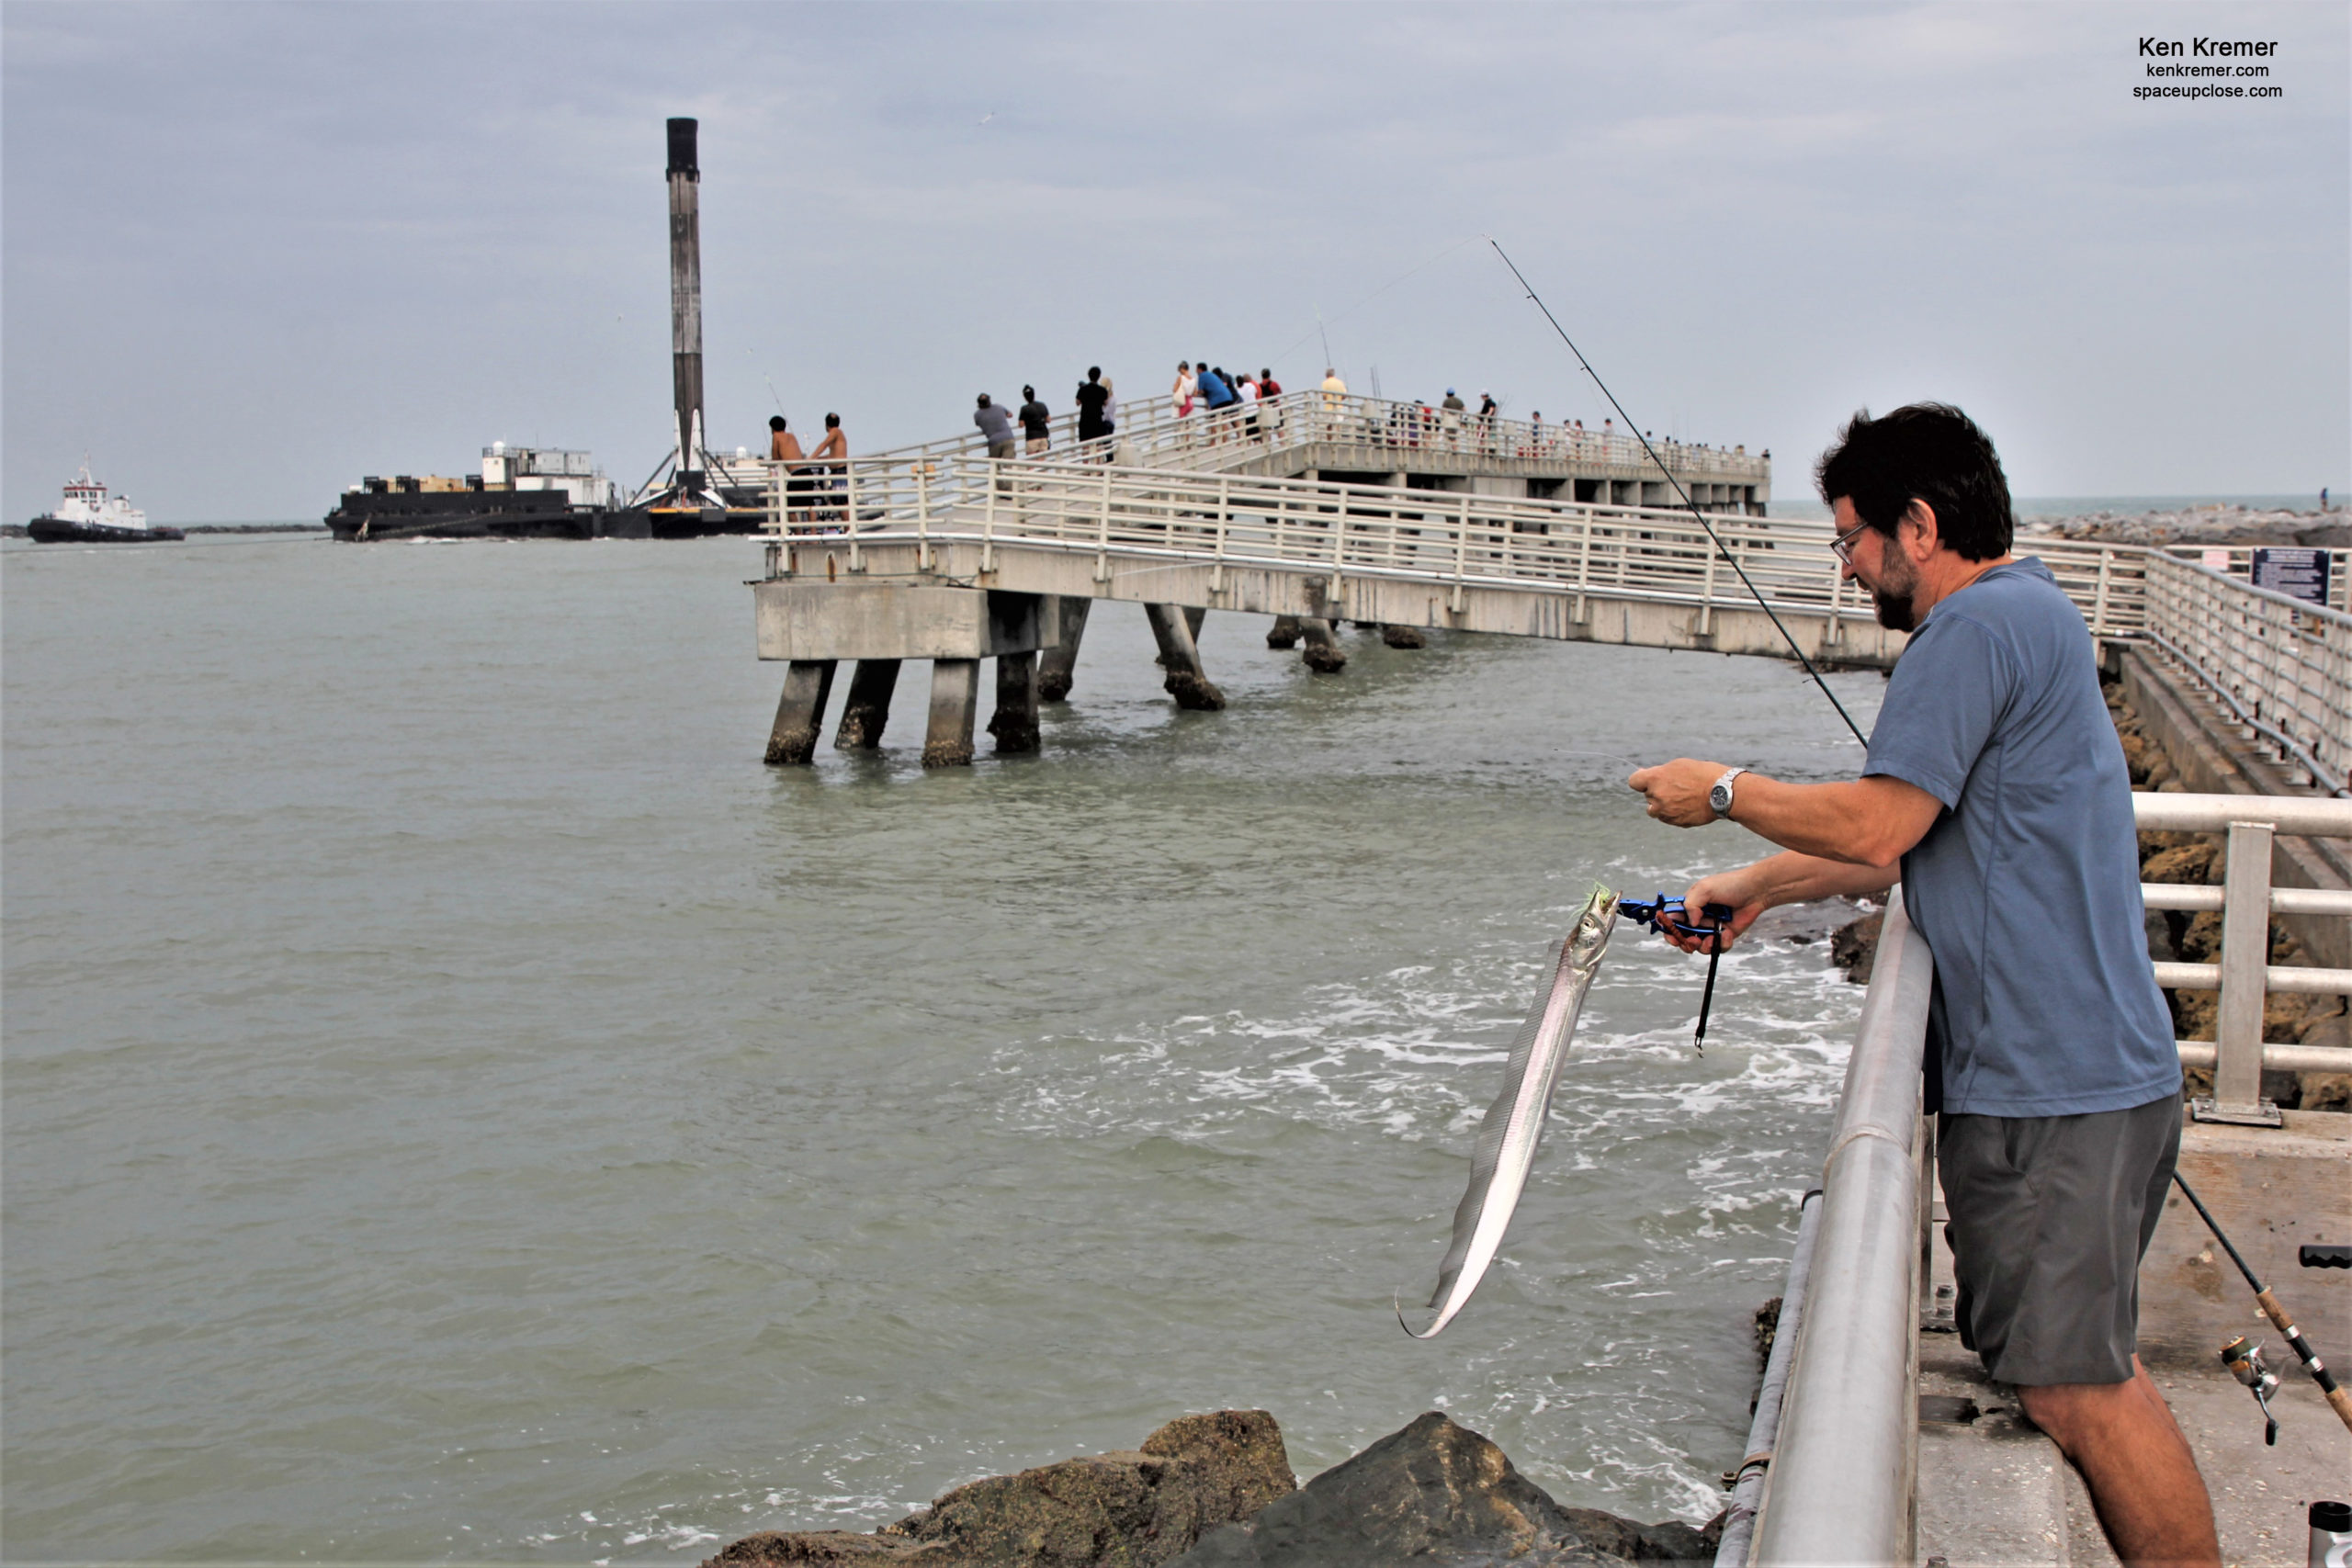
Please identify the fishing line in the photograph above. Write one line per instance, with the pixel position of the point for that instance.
(1635, 430)
(1321, 321)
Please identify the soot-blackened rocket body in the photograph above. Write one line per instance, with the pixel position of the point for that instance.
(685, 301)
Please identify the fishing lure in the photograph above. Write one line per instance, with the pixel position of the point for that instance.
(1514, 1123)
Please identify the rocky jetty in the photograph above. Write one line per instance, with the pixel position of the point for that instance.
(1130, 1509)
(2214, 524)
(1438, 1494)
(1214, 1489)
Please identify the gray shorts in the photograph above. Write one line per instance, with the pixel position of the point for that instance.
(2049, 1218)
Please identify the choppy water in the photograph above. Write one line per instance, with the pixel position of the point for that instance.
(461, 1105)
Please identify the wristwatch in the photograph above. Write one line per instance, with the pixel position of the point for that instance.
(1719, 797)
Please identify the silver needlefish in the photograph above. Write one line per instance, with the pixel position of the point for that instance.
(1514, 1123)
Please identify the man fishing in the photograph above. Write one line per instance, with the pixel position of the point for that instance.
(1995, 789)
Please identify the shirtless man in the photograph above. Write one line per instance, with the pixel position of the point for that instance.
(835, 445)
(784, 448)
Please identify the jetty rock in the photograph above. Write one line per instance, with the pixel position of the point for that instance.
(2210, 525)
(1132, 1509)
(1438, 1494)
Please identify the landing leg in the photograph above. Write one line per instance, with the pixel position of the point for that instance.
(1323, 654)
(1180, 657)
(1057, 664)
(808, 682)
(1014, 724)
(868, 707)
(955, 690)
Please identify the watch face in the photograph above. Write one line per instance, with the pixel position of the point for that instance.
(1719, 798)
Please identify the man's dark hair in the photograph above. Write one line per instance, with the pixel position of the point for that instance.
(1030, 393)
(832, 422)
(775, 422)
(984, 399)
(1928, 452)
(1094, 372)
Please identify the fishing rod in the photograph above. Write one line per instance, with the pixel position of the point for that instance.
(2336, 1397)
(1712, 537)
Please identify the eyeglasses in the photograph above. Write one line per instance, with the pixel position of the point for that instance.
(1842, 546)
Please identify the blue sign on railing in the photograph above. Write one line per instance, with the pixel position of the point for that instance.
(2298, 572)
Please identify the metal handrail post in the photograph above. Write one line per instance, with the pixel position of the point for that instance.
(1224, 512)
(1707, 596)
(1843, 1479)
(922, 516)
(2245, 953)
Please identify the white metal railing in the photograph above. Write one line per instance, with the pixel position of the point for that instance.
(1150, 430)
(2237, 561)
(2245, 975)
(1840, 1484)
(2284, 668)
(1447, 539)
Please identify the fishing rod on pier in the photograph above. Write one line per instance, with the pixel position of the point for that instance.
(1713, 537)
(2245, 1361)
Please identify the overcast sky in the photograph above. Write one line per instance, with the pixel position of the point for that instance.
(253, 251)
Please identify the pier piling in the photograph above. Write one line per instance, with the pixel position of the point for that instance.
(1323, 655)
(955, 690)
(867, 708)
(801, 713)
(1396, 636)
(1180, 655)
(1014, 723)
(1057, 664)
(1283, 633)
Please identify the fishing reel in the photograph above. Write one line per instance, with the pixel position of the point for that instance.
(2244, 1360)
(1671, 917)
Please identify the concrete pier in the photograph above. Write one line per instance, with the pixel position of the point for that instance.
(1323, 655)
(801, 713)
(1014, 723)
(1058, 665)
(1180, 655)
(867, 708)
(1283, 633)
(955, 692)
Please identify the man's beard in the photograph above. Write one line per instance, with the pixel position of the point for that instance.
(1893, 594)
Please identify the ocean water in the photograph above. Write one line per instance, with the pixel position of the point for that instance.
(462, 1106)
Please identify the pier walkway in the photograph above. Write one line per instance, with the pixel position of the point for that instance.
(938, 552)
(1345, 437)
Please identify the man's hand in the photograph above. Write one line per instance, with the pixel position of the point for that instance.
(1678, 791)
(1739, 889)
(1775, 880)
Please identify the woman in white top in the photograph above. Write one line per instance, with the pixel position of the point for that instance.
(1187, 387)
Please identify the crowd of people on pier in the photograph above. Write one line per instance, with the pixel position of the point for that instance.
(1208, 405)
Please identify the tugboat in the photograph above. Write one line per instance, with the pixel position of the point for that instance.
(521, 493)
(88, 515)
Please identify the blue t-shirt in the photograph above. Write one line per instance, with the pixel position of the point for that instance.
(1214, 391)
(2027, 887)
